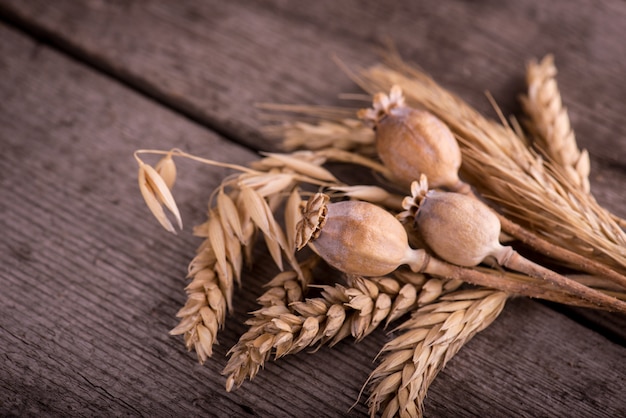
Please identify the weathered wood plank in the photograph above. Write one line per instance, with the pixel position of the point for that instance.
(75, 343)
(241, 55)
(213, 62)
(217, 60)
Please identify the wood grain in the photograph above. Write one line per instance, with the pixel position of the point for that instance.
(213, 62)
(281, 53)
(91, 284)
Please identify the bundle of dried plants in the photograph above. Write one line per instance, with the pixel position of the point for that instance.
(447, 159)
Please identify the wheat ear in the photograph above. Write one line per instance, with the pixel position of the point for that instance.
(433, 335)
(213, 271)
(273, 327)
(549, 122)
(231, 225)
(286, 324)
(366, 303)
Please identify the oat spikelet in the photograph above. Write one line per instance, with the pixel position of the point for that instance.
(433, 335)
(156, 193)
(549, 122)
(167, 170)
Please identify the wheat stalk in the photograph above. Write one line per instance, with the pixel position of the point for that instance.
(433, 335)
(549, 123)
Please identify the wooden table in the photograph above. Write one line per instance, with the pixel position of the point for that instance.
(90, 284)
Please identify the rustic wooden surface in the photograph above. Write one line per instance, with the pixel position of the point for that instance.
(90, 284)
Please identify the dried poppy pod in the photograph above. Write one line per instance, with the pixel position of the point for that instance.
(356, 237)
(462, 230)
(412, 142)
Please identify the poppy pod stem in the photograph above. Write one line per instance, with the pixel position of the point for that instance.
(462, 230)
